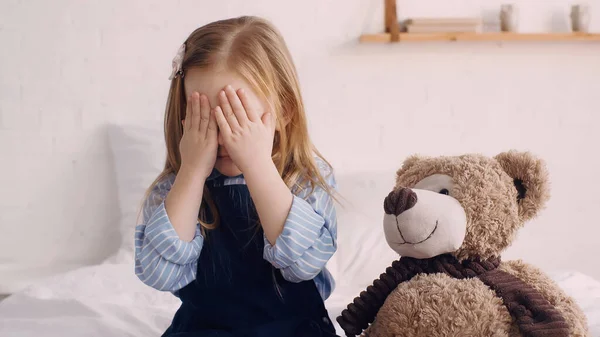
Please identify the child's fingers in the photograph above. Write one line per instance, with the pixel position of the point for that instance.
(204, 115)
(228, 111)
(212, 126)
(268, 119)
(250, 110)
(195, 111)
(237, 106)
(188, 114)
(222, 122)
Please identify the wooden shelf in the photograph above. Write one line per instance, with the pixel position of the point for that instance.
(492, 36)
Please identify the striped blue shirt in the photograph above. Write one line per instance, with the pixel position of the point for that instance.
(308, 240)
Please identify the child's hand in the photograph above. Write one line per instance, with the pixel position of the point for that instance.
(198, 146)
(247, 137)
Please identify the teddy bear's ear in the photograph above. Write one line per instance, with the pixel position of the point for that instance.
(530, 177)
(408, 163)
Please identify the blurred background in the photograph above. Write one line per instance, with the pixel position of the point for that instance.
(72, 70)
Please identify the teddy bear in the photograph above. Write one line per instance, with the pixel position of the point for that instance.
(449, 218)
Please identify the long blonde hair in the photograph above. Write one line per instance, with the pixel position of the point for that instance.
(253, 48)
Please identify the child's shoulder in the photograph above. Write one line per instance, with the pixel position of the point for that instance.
(157, 193)
(324, 167)
(325, 170)
(315, 183)
(163, 184)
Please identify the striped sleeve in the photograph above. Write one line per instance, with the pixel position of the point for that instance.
(162, 260)
(309, 236)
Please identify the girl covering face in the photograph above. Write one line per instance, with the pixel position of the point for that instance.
(241, 222)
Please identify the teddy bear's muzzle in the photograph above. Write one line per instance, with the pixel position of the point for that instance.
(423, 223)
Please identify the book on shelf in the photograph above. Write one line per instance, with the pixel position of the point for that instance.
(444, 21)
(443, 25)
(415, 29)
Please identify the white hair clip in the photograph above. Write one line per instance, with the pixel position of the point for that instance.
(178, 63)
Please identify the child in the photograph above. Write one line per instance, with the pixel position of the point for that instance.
(221, 228)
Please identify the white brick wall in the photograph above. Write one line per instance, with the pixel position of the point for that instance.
(69, 67)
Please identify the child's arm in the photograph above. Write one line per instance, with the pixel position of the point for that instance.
(183, 203)
(168, 243)
(309, 233)
(271, 196)
(163, 260)
(247, 134)
(198, 149)
(300, 231)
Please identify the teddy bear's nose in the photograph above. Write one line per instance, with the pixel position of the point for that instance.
(399, 200)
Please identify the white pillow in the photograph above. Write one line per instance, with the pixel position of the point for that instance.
(139, 155)
(363, 254)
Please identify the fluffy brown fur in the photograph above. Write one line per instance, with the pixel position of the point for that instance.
(438, 305)
(532, 172)
(498, 195)
(556, 296)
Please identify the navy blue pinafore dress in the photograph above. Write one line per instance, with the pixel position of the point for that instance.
(237, 293)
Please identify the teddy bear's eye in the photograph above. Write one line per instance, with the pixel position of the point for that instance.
(436, 183)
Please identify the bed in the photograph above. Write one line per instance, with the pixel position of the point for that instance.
(108, 300)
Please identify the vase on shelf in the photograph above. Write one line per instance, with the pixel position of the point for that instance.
(580, 18)
(509, 18)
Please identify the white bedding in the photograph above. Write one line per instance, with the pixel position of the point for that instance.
(105, 300)
(109, 301)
